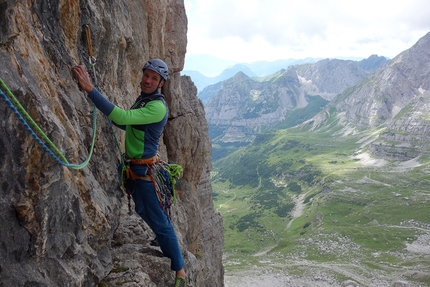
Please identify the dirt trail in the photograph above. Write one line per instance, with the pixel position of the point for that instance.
(298, 208)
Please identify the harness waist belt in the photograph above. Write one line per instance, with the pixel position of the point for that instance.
(129, 174)
(135, 161)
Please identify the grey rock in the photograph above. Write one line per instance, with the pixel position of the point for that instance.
(349, 283)
(401, 284)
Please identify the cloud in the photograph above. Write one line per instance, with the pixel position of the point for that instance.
(275, 29)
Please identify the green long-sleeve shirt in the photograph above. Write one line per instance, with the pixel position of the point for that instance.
(144, 122)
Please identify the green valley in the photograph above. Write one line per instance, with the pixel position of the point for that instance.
(302, 202)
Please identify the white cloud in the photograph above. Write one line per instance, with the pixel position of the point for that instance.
(250, 30)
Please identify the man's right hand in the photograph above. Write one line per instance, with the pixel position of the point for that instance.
(81, 75)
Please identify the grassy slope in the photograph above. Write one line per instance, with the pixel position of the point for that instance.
(352, 218)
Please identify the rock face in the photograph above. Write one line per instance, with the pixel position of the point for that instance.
(66, 227)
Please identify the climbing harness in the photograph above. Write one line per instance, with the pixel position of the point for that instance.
(162, 175)
(30, 124)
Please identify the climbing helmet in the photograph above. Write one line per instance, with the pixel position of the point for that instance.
(157, 66)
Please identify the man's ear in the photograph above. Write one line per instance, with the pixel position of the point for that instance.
(161, 84)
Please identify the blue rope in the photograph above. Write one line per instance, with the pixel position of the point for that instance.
(45, 147)
(120, 167)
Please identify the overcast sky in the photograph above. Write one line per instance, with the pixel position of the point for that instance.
(252, 30)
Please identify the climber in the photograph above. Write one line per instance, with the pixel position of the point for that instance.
(143, 123)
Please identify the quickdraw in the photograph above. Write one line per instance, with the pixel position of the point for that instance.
(91, 59)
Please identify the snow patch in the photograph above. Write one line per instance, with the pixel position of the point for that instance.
(395, 111)
(410, 163)
(255, 94)
(367, 160)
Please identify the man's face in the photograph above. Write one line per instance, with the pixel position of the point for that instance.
(150, 81)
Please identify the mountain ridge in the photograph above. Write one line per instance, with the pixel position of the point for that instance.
(254, 69)
(241, 107)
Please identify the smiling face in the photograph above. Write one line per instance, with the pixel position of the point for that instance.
(151, 81)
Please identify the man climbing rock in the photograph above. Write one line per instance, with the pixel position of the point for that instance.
(144, 124)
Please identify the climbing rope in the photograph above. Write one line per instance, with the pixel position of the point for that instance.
(121, 166)
(17, 108)
(92, 62)
(31, 125)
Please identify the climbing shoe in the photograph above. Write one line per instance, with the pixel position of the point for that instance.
(180, 282)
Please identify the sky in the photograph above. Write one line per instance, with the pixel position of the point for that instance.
(268, 30)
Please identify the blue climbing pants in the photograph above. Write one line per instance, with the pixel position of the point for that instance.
(148, 207)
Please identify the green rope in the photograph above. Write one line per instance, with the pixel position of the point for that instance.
(18, 109)
(30, 119)
(174, 170)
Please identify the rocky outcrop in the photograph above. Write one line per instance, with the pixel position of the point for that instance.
(380, 98)
(65, 227)
(330, 77)
(406, 136)
(396, 98)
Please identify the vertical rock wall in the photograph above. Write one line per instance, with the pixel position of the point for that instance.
(65, 227)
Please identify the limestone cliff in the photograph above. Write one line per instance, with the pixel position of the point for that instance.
(65, 227)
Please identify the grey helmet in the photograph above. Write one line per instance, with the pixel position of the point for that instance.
(157, 66)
